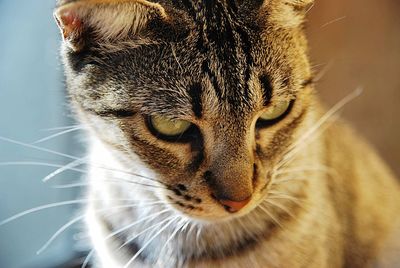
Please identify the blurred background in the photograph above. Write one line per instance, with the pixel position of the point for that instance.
(33, 106)
(353, 43)
(358, 42)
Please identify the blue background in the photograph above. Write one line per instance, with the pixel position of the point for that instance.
(32, 99)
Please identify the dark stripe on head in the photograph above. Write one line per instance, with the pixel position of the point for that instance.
(246, 47)
(222, 35)
(220, 39)
(266, 88)
(213, 78)
(191, 8)
(196, 92)
(197, 161)
(113, 113)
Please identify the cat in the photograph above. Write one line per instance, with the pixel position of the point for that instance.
(208, 144)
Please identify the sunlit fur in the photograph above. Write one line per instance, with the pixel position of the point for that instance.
(320, 197)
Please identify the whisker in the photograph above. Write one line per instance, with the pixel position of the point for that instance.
(280, 181)
(311, 7)
(329, 114)
(116, 180)
(176, 58)
(58, 134)
(53, 205)
(182, 224)
(149, 241)
(141, 184)
(80, 218)
(290, 155)
(44, 207)
(151, 217)
(323, 71)
(280, 206)
(38, 148)
(279, 194)
(87, 259)
(198, 234)
(75, 185)
(128, 173)
(44, 164)
(127, 242)
(261, 206)
(68, 166)
(295, 200)
(304, 169)
(69, 156)
(72, 185)
(333, 21)
(333, 111)
(64, 128)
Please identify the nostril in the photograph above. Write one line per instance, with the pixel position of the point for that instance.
(234, 206)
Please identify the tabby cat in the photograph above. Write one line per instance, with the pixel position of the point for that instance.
(208, 145)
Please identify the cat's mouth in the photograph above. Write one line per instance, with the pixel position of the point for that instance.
(211, 210)
(208, 208)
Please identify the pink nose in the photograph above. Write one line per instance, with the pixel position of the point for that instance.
(234, 206)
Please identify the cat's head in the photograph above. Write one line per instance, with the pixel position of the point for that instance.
(207, 94)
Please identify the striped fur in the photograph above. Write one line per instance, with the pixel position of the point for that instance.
(218, 64)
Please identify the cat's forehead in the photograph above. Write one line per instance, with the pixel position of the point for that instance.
(220, 59)
(215, 61)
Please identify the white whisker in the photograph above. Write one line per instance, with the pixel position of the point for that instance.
(148, 242)
(323, 71)
(87, 259)
(127, 242)
(42, 149)
(333, 21)
(64, 128)
(53, 205)
(297, 145)
(38, 148)
(68, 166)
(270, 215)
(44, 164)
(180, 226)
(280, 206)
(44, 207)
(280, 181)
(57, 135)
(72, 222)
(116, 232)
(304, 169)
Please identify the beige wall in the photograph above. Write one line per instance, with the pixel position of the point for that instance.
(363, 49)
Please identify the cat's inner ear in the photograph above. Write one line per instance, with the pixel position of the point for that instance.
(104, 20)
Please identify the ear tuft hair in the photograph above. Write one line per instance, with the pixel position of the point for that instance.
(288, 13)
(104, 20)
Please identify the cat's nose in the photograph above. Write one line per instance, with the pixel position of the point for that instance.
(234, 206)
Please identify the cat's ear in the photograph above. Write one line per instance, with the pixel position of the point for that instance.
(287, 13)
(104, 20)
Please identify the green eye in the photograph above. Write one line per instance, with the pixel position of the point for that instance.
(276, 111)
(169, 128)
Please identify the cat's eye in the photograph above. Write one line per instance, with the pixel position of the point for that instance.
(275, 113)
(167, 127)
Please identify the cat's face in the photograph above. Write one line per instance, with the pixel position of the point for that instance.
(208, 94)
